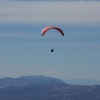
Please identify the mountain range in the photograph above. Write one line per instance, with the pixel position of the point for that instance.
(24, 80)
(45, 88)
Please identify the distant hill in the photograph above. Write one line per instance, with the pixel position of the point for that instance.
(82, 81)
(24, 80)
(45, 88)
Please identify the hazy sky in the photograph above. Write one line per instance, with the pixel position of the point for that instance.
(23, 51)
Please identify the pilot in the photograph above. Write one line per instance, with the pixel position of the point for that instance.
(52, 50)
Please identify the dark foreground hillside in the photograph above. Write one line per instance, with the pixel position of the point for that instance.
(51, 91)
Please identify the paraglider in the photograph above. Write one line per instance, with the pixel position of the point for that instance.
(51, 27)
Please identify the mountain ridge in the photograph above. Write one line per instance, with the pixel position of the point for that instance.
(24, 80)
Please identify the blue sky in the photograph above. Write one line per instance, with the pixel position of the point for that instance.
(23, 51)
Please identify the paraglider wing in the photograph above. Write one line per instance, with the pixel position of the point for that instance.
(51, 27)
